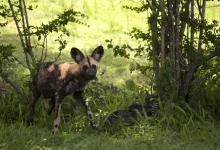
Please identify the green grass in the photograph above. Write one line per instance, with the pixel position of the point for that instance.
(18, 136)
(176, 128)
(116, 89)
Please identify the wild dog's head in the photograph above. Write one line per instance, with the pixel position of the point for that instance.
(88, 65)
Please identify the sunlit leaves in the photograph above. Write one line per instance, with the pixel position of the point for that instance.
(118, 50)
(6, 54)
(4, 13)
(142, 8)
(59, 23)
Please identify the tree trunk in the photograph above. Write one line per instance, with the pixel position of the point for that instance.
(192, 28)
(163, 54)
(193, 65)
(177, 46)
(201, 26)
(25, 35)
(155, 45)
(185, 17)
(171, 38)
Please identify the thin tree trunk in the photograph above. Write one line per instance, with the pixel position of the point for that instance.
(193, 65)
(20, 35)
(192, 18)
(30, 52)
(201, 26)
(177, 46)
(155, 45)
(172, 41)
(163, 54)
(185, 16)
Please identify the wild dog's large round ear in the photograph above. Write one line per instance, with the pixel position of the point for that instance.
(76, 54)
(98, 53)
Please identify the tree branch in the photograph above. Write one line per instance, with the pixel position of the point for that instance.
(177, 42)
(30, 52)
(199, 8)
(201, 26)
(154, 32)
(16, 23)
(185, 15)
(149, 4)
(19, 62)
(20, 34)
(192, 28)
(131, 48)
(212, 72)
(211, 55)
(163, 54)
(183, 62)
(13, 85)
(172, 37)
(213, 6)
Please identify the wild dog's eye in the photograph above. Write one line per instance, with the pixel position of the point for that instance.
(94, 66)
(85, 67)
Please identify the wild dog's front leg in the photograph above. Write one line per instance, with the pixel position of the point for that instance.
(52, 103)
(35, 98)
(58, 98)
(78, 96)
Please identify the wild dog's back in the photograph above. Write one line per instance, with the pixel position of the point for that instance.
(51, 74)
(46, 78)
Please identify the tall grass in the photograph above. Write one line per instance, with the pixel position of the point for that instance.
(175, 128)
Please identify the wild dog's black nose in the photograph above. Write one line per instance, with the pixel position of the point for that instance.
(91, 72)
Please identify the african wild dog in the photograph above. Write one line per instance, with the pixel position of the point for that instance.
(131, 113)
(56, 80)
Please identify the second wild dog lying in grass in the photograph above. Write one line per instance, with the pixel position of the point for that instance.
(56, 80)
(130, 114)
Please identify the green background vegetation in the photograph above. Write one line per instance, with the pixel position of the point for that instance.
(178, 127)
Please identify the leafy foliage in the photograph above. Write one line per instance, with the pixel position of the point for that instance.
(199, 47)
(180, 125)
(57, 25)
(6, 55)
(4, 13)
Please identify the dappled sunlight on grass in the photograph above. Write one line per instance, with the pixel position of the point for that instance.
(106, 20)
(18, 136)
(115, 89)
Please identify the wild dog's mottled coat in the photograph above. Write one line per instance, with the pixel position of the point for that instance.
(56, 80)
